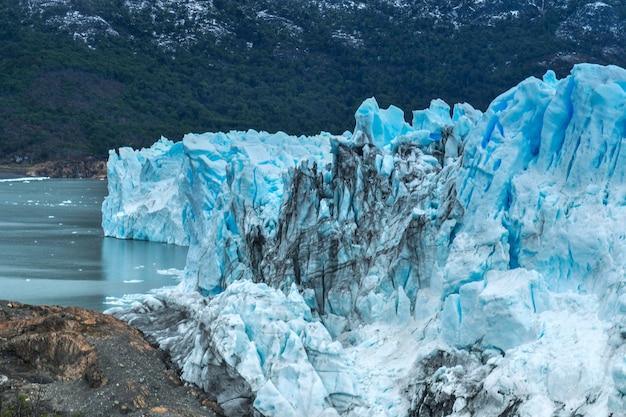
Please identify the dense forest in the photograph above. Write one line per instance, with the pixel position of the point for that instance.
(61, 98)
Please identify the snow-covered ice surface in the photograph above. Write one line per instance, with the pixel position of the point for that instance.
(465, 264)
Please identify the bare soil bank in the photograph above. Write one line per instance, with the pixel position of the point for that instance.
(76, 362)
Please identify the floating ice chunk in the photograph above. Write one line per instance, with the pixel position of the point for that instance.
(170, 271)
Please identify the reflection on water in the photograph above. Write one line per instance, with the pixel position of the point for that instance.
(134, 260)
(52, 250)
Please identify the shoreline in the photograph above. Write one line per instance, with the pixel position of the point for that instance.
(89, 167)
(8, 173)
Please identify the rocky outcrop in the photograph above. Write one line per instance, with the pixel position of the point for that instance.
(51, 340)
(70, 361)
(85, 168)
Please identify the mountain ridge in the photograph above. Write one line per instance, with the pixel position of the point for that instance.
(81, 77)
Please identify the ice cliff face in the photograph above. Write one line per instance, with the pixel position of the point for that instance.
(145, 200)
(463, 264)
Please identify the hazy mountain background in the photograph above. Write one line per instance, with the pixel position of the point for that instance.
(78, 77)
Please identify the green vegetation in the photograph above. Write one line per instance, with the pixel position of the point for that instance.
(62, 99)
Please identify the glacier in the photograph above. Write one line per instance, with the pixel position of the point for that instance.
(463, 264)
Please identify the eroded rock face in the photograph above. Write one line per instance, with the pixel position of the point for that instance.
(52, 339)
(69, 361)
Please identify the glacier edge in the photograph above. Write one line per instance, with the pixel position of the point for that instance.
(463, 264)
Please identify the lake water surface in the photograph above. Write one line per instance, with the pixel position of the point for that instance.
(52, 250)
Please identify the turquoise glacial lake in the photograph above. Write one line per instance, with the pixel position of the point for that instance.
(52, 249)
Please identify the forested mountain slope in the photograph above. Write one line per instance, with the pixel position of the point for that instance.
(78, 77)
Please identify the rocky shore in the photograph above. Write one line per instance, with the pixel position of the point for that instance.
(69, 361)
(89, 167)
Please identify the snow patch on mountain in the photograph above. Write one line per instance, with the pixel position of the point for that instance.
(175, 24)
(593, 20)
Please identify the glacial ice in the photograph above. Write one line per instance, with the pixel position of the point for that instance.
(463, 264)
(145, 200)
